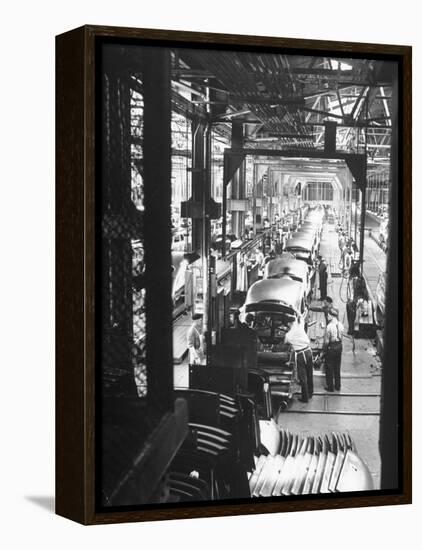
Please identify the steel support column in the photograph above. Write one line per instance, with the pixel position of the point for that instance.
(350, 202)
(198, 182)
(206, 237)
(270, 187)
(391, 389)
(259, 194)
(254, 190)
(156, 70)
(238, 182)
(356, 214)
(116, 253)
(362, 219)
(224, 209)
(364, 185)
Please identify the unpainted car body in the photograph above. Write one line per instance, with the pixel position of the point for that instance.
(274, 302)
(291, 268)
(302, 247)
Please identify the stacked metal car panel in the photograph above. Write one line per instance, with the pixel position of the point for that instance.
(310, 465)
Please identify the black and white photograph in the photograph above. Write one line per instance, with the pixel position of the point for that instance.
(210, 232)
(249, 260)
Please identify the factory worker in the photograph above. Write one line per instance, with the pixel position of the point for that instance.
(195, 341)
(302, 353)
(333, 347)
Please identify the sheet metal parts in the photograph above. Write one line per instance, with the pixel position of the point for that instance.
(310, 465)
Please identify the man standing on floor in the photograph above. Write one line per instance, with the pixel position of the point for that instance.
(341, 242)
(300, 343)
(323, 277)
(259, 261)
(351, 307)
(346, 262)
(333, 348)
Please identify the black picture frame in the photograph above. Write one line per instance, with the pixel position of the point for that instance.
(79, 157)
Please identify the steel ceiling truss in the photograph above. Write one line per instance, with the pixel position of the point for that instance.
(286, 99)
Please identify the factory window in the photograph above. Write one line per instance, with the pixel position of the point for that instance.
(318, 191)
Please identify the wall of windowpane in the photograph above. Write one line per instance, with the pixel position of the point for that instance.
(320, 191)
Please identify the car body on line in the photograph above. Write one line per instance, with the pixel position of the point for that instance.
(291, 268)
(274, 302)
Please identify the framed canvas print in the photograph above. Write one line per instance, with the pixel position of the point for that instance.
(233, 274)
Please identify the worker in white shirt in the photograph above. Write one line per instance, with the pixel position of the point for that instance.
(300, 343)
(195, 341)
(346, 262)
(333, 348)
(342, 246)
(259, 260)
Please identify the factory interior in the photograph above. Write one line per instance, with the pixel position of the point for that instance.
(248, 346)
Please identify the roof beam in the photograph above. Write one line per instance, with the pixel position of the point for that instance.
(318, 112)
(308, 116)
(189, 73)
(295, 153)
(287, 135)
(258, 100)
(359, 102)
(237, 113)
(340, 103)
(323, 72)
(384, 101)
(351, 124)
(344, 96)
(375, 119)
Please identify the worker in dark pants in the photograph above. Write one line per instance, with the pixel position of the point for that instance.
(278, 249)
(333, 348)
(351, 316)
(299, 340)
(323, 277)
(326, 306)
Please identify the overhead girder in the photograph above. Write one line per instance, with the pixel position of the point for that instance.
(356, 162)
(303, 167)
(248, 82)
(317, 171)
(287, 181)
(312, 175)
(333, 179)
